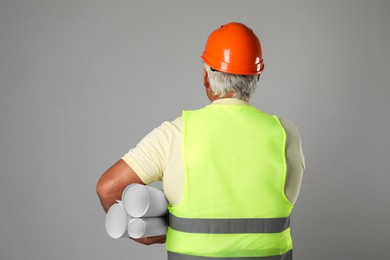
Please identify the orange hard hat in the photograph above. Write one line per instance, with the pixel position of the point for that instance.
(234, 48)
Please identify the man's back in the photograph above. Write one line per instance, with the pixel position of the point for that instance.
(235, 170)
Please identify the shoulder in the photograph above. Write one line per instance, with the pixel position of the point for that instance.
(290, 128)
(293, 142)
(172, 126)
(163, 134)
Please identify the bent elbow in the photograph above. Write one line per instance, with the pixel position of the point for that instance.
(102, 189)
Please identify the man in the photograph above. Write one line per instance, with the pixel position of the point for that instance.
(231, 173)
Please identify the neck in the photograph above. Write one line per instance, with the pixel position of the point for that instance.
(229, 94)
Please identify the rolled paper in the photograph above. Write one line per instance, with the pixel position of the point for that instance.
(117, 221)
(144, 201)
(147, 227)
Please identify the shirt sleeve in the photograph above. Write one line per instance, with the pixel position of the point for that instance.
(295, 161)
(148, 159)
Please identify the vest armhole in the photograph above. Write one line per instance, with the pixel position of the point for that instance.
(285, 169)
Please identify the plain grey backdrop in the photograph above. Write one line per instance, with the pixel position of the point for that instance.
(82, 81)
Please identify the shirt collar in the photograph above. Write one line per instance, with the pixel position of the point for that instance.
(230, 101)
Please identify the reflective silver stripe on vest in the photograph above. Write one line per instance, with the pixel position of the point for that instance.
(229, 226)
(174, 256)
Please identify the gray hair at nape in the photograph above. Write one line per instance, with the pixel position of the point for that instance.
(243, 86)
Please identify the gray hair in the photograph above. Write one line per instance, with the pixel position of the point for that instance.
(243, 86)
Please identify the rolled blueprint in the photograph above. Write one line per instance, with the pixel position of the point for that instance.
(117, 221)
(147, 227)
(144, 201)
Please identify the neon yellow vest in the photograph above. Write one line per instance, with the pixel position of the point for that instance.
(234, 203)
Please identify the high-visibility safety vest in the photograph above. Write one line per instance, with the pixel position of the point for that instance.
(234, 205)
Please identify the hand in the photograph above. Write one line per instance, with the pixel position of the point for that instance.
(151, 240)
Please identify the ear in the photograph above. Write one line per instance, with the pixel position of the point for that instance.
(207, 86)
(206, 82)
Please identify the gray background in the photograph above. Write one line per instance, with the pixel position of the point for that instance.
(83, 81)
